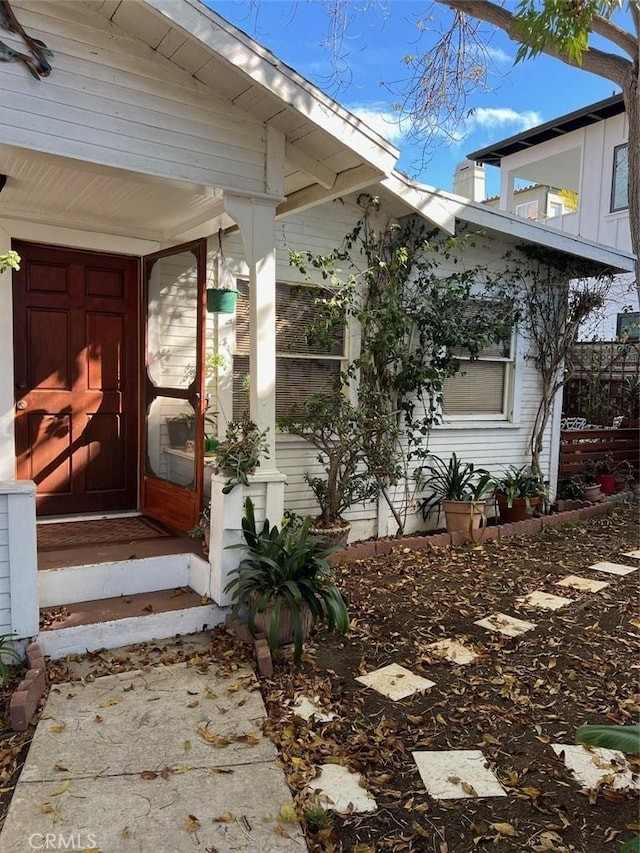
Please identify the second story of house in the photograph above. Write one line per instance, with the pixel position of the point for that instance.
(574, 170)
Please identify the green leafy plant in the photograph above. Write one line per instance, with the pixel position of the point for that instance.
(520, 483)
(284, 573)
(9, 260)
(573, 488)
(623, 738)
(355, 448)
(414, 322)
(239, 454)
(452, 480)
(7, 652)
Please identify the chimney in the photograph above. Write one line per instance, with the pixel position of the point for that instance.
(468, 180)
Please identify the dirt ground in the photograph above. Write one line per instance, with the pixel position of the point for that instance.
(579, 665)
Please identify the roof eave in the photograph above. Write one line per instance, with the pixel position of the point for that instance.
(262, 67)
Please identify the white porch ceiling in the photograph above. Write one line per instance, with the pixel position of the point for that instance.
(77, 194)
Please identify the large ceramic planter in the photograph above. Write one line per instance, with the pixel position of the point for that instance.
(285, 629)
(593, 492)
(331, 537)
(465, 517)
(519, 511)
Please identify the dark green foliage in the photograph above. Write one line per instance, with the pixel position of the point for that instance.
(356, 448)
(284, 569)
(7, 651)
(623, 738)
(240, 453)
(452, 480)
(520, 483)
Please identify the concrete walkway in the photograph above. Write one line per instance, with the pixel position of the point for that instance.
(167, 759)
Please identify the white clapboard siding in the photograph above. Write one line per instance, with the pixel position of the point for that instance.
(111, 99)
(5, 599)
(488, 443)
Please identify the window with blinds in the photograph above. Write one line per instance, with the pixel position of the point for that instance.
(303, 367)
(482, 386)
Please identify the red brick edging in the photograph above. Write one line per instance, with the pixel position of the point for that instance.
(572, 511)
(24, 701)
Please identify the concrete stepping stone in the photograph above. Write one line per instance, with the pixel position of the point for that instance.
(502, 623)
(635, 553)
(583, 584)
(309, 709)
(591, 765)
(613, 568)
(341, 791)
(395, 682)
(454, 651)
(455, 774)
(544, 600)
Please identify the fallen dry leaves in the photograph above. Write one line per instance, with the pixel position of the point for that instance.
(579, 665)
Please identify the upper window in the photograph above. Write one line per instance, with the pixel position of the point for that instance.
(303, 367)
(529, 210)
(619, 184)
(482, 387)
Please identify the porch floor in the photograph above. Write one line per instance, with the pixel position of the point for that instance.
(122, 607)
(108, 540)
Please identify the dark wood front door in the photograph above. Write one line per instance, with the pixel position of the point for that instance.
(76, 358)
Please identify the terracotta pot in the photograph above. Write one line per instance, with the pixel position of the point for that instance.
(285, 631)
(465, 517)
(607, 482)
(519, 511)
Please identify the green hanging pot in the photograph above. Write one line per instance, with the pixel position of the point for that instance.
(221, 301)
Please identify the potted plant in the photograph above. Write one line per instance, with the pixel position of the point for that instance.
(602, 471)
(518, 493)
(239, 454)
(573, 488)
(202, 530)
(285, 583)
(221, 300)
(354, 461)
(459, 489)
(181, 428)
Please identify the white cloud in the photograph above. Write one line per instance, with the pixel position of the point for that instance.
(491, 117)
(500, 55)
(381, 119)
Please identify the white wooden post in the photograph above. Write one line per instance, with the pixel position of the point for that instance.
(266, 490)
(19, 558)
(256, 220)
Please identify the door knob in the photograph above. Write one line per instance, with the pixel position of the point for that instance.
(21, 404)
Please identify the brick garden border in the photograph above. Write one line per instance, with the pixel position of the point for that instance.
(24, 701)
(569, 511)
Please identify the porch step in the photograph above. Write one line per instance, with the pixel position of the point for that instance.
(109, 622)
(105, 580)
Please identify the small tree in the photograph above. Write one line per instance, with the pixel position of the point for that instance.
(555, 295)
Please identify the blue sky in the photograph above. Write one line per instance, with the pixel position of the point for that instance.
(520, 97)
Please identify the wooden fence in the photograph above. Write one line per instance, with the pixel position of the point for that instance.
(605, 382)
(578, 446)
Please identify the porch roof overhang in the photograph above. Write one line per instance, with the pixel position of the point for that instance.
(448, 212)
(328, 150)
